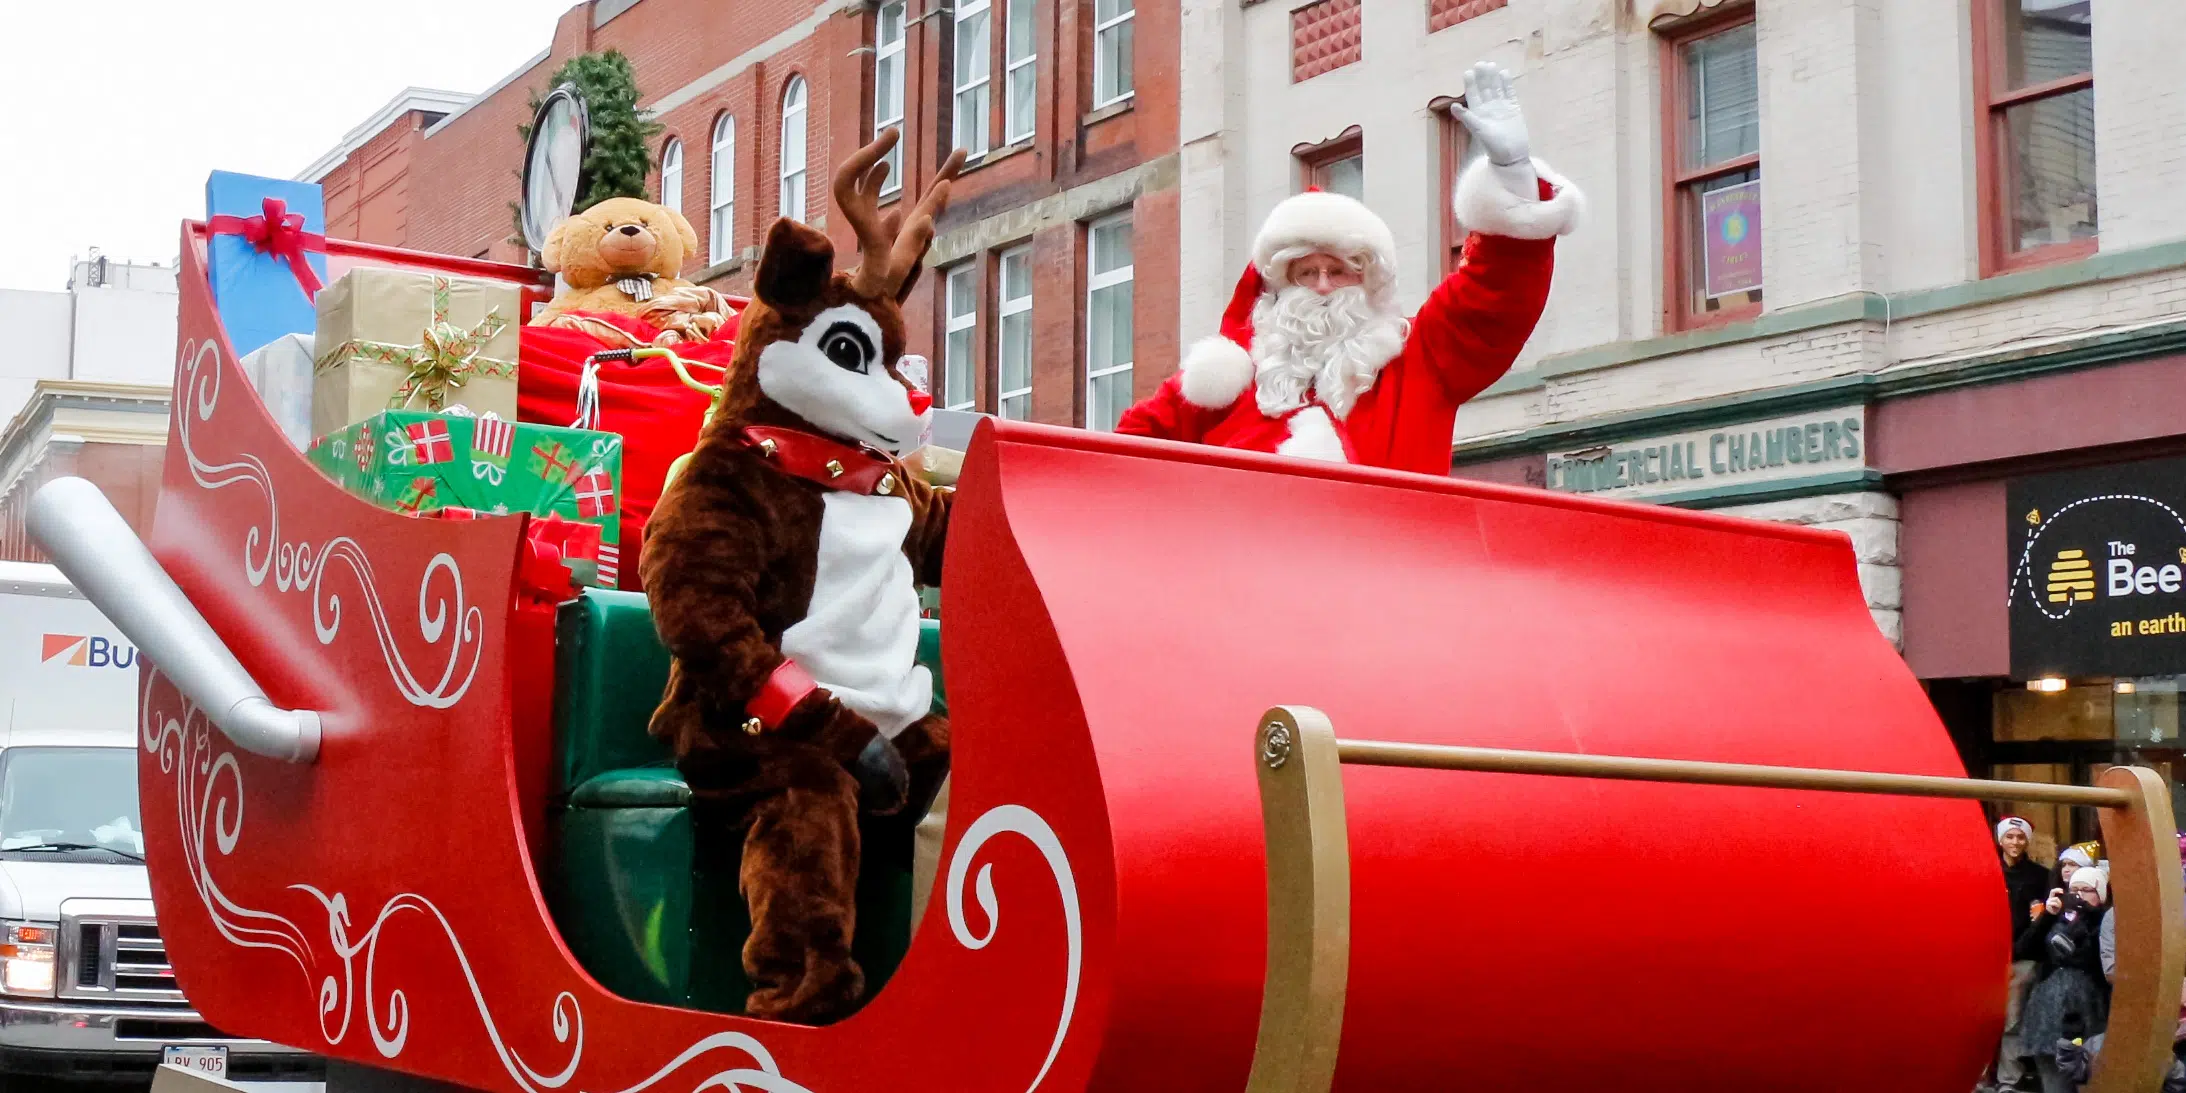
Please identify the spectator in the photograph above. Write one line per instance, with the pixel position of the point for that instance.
(2026, 887)
(2071, 1001)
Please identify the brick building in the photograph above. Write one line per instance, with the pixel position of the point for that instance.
(1062, 232)
(1878, 268)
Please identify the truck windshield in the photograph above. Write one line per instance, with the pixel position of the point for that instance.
(57, 800)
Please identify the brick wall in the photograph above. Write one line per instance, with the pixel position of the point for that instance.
(128, 474)
(368, 194)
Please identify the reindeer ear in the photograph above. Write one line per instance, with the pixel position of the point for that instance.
(794, 267)
(910, 281)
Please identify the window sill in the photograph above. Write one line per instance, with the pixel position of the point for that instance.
(2038, 257)
(993, 156)
(1688, 322)
(1123, 105)
(724, 267)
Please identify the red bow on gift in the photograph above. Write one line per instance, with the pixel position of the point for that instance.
(280, 233)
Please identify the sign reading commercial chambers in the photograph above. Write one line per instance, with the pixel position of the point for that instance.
(2098, 571)
(1776, 450)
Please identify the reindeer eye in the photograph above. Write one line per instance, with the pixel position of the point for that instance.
(847, 346)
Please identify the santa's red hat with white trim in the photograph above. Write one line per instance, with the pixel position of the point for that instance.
(1217, 369)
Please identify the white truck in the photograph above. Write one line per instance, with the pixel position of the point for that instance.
(86, 991)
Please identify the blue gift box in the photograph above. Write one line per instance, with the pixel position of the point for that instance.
(256, 291)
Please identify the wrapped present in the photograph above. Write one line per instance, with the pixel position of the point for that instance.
(936, 465)
(394, 339)
(281, 371)
(458, 466)
(265, 255)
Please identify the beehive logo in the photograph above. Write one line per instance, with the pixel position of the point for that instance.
(2071, 577)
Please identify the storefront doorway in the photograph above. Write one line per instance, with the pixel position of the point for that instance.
(2065, 732)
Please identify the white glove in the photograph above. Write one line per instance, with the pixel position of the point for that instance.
(1494, 120)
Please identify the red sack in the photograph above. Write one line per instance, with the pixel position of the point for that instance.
(656, 415)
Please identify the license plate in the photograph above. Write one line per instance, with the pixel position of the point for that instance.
(212, 1061)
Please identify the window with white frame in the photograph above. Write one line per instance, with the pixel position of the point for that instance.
(960, 338)
(1013, 321)
(671, 175)
(1019, 72)
(888, 85)
(1111, 51)
(974, 63)
(1108, 322)
(793, 149)
(721, 229)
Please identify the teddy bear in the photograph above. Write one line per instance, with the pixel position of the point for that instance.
(620, 257)
(783, 568)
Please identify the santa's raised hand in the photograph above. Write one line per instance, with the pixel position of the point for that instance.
(1490, 113)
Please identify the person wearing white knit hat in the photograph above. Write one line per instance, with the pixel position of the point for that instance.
(1315, 358)
(2026, 888)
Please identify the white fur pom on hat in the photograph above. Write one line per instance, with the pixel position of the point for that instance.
(1330, 222)
(2010, 822)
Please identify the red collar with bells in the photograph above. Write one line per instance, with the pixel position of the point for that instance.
(852, 468)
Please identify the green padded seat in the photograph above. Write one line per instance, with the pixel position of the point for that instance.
(622, 885)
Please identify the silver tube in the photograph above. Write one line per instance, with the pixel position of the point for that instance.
(94, 548)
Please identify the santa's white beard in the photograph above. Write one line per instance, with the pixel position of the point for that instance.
(1333, 345)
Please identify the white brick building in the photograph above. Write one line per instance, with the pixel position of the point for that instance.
(1971, 222)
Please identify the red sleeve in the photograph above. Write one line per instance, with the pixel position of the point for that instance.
(1475, 322)
(1167, 415)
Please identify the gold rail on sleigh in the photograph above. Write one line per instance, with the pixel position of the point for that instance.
(1300, 761)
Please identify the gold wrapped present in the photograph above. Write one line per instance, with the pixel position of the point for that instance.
(936, 466)
(396, 339)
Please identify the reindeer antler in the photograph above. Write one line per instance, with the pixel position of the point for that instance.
(886, 251)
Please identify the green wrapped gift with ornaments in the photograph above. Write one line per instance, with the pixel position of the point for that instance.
(455, 465)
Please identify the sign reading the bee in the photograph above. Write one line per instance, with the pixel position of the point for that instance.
(2098, 571)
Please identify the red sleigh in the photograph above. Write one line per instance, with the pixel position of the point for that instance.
(1151, 879)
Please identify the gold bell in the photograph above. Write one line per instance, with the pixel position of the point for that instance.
(766, 447)
(834, 468)
(752, 726)
(887, 485)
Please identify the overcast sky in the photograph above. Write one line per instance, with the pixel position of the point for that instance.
(121, 107)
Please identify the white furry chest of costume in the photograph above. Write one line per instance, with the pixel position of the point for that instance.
(1313, 436)
(859, 638)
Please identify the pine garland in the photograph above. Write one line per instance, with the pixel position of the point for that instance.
(621, 158)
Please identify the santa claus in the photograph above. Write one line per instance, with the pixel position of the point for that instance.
(1316, 359)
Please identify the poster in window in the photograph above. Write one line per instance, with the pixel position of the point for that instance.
(2097, 561)
(1730, 219)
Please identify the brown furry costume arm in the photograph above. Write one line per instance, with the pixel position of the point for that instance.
(705, 549)
(704, 553)
(929, 532)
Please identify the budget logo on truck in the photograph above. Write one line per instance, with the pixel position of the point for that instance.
(87, 651)
(2098, 571)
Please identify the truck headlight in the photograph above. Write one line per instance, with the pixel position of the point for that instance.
(26, 958)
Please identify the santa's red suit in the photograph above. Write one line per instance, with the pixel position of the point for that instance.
(1461, 340)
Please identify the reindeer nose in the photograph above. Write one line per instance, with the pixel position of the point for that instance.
(920, 400)
(628, 229)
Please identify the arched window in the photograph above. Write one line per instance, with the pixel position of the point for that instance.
(723, 228)
(671, 175)
(793, 148)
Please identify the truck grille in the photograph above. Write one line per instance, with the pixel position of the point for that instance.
(118, 957)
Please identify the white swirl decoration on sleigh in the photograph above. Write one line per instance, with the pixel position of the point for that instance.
(209, 801)
(302, 567)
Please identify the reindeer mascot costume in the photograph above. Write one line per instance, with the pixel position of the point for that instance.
(782, 567)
